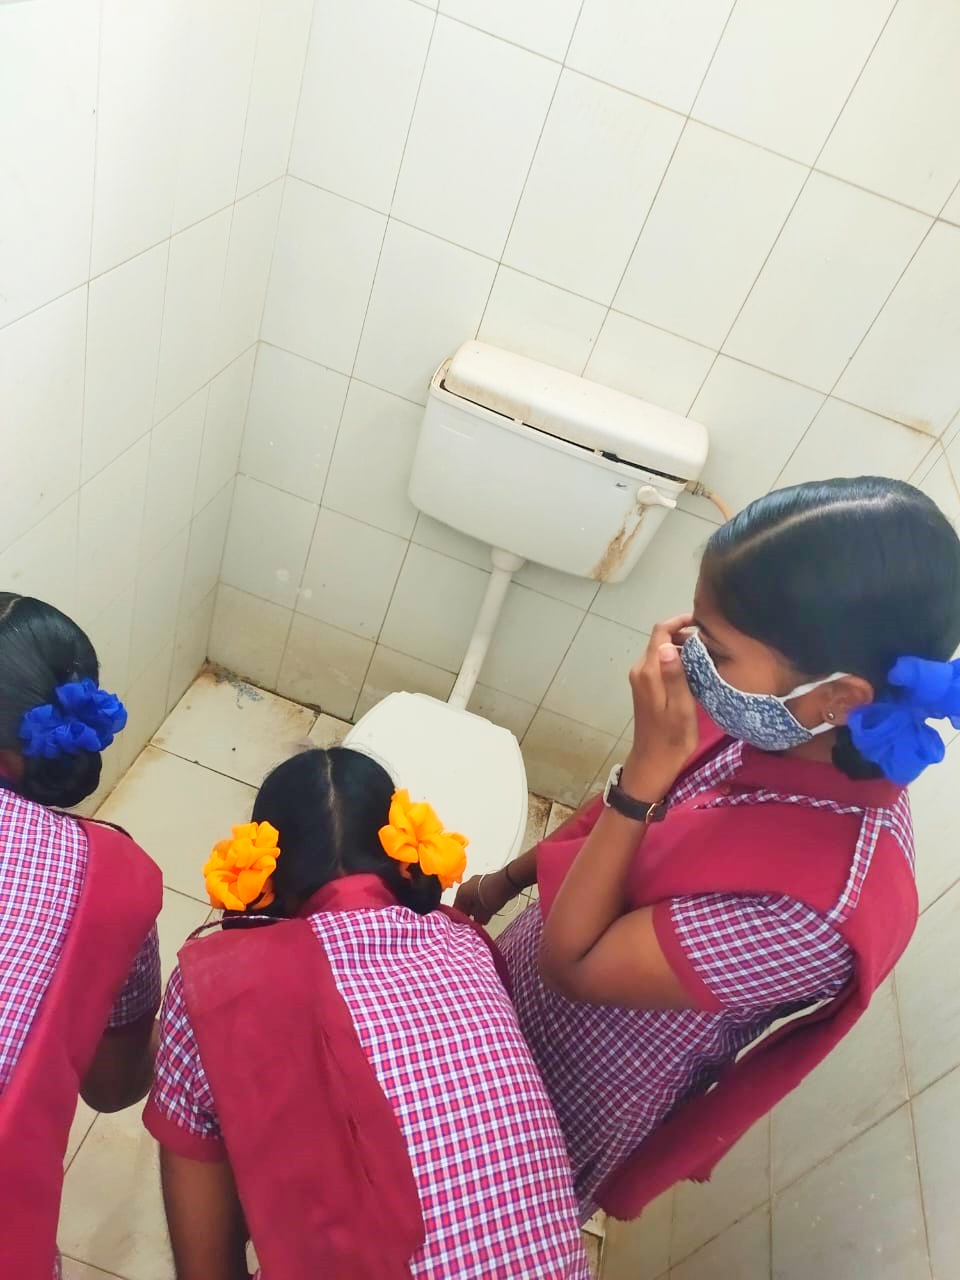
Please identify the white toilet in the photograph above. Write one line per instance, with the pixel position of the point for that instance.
(543, 466)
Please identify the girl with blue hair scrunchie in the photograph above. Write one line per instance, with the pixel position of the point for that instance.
(79, 953)
(753, 851)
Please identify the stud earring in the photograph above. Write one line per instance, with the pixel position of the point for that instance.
(831, 716)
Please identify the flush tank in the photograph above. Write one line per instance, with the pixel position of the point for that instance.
(547, 465)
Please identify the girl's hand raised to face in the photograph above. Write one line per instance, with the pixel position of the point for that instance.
(665, 732)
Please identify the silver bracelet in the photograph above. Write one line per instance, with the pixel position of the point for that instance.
(486, 906)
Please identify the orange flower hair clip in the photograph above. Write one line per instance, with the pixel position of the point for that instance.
(238, 871)
(415, 834)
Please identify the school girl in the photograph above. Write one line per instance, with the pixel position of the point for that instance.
(752, 859)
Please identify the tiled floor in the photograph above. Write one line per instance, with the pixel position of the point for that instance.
(853, 1177)
(195, 780)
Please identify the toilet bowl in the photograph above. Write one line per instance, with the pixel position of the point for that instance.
(467, 768)
(540, 465)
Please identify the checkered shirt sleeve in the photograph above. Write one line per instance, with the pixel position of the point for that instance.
(757, 953)
(140, 995)
(181, 1092)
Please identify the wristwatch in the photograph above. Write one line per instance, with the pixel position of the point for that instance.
(614, 797)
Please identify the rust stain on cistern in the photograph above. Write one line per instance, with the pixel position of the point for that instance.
(618, 548)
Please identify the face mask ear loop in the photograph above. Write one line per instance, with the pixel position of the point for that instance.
(803, 689)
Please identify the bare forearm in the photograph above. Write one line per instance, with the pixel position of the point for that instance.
(593, 894)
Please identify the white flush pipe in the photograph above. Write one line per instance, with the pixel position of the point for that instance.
(505, 565)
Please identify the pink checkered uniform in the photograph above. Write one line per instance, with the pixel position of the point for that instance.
(43, 859)
(615, 1074)
(441, 1035)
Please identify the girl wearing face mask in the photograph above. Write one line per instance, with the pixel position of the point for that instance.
(752, 860)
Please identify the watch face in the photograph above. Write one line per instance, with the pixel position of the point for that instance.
(612, 781)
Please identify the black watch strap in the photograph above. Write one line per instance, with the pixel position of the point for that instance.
(638, 810)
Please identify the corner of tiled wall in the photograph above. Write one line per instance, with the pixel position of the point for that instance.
(150, 149)
(622, 193)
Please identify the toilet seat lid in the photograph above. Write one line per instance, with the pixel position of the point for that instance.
(470, 770)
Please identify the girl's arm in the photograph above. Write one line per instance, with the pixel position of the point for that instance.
(204, 1217)
(593, 948)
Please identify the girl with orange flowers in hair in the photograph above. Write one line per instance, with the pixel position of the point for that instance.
(347, 1085)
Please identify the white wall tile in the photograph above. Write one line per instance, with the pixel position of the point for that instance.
(846, 441)
(295, 406)
(267, 541)
(451, 542)
(448, 593)
(110, 631)
(783, 71)
(172, 474)
(859, 1214)
(739, 1183)
(248, 635)
(755, 421)
(43, 562)
(370, 468)
(896, 134)
(146, 702)
(350, 575)
(392, 672)
(561, 586)
(223, 428)
(951, 210)
(936, 1114)
(124, 322)
(191, 310)
(156, 602)
(648, 362)
(528, 645)
(216, 66)
(502, 708)
(936, 826)
(249, 255)
(323, 666)
(478, 116)
(323, 266)
(906, 366)
(742, 1251)
(108, 532)
(938, 483)
(824, 1113)
(591, 684)
(839, 255)
(48, 86)
(658, 51)
(274, 91)
(362, 71)
(545, 26)
(562, 756)
(141, 50)
(41, 412)
(928, 983)
(718, 212)
(208, 533)
(595, 174)
(427, 299)
(540, 321)
(662, 583)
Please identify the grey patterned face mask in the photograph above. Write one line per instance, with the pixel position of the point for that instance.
(762, 719)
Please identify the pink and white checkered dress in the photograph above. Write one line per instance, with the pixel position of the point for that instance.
(615, 1074)
(442, 1036)
(43, 860)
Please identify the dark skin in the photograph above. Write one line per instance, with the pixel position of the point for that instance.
(122, 1068)
(207, 1230)
(594, 948)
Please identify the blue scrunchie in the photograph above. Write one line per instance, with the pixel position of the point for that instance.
(893, 732)
(82, 717)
